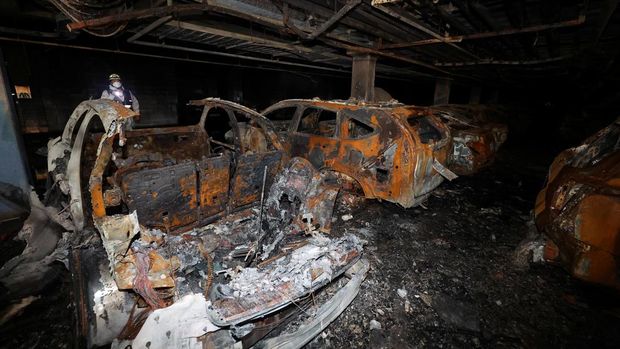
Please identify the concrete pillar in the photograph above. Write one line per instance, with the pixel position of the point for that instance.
(14, 167)
(363, 77)
(442, 91)
(474, 94)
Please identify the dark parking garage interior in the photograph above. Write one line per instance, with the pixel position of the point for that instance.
(309, 173)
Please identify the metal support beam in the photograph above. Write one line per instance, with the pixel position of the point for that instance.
(491, 61)
(185, 59)
(422, 28)
(335, 18)
(363, 77)
(375, 52)
(251, 38)
(442, 91)
(231, 55)
(401, 74)
(149, 28)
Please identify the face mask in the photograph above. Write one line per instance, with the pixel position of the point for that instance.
(117, 84)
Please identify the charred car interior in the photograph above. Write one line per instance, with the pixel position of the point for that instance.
(309, 174)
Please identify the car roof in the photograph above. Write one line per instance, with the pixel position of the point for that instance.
(336, 104)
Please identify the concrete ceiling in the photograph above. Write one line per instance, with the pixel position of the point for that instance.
(487, 41)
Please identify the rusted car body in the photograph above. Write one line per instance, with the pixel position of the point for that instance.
(152, 194)
(476, 135)
(392, 151)
(579, 209)
(171, 176)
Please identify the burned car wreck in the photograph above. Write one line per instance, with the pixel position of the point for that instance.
(189, 171)
(391, 151)
(476, 134)
(143, 203)
(579, 209)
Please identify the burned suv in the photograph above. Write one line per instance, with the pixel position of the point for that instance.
(392, 151)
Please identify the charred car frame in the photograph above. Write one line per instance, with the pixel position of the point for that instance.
(151, 194)
(476, 135)
(392, 151)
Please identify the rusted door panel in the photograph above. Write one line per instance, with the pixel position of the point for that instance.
(433, 141)
(426, 178)
(374, 158)
(320, 151)
(164, 197)
(359, 155)
(214, 178)
(248, 178)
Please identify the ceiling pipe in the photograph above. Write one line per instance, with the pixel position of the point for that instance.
(459, 38)
(423, 29)
(174, 10)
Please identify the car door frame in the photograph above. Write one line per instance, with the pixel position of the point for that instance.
(321, 151)
(244, 188)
